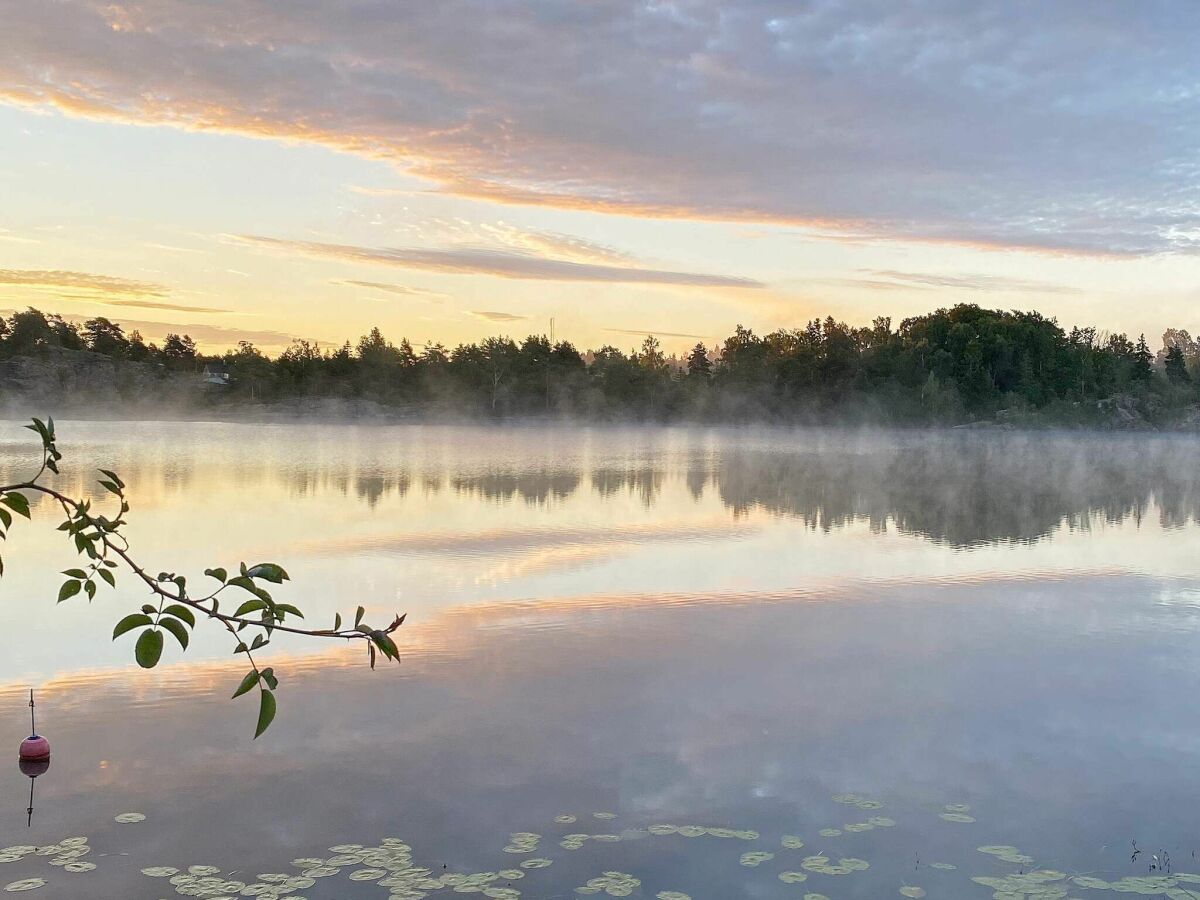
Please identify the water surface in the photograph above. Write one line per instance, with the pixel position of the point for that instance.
(732, 630)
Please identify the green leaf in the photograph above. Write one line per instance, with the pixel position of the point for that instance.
(248, 607)
(131, 622)
(266, 712)
(17, 503)
(89, 588)
(259, 641)
(69, 589)
(358, 616)
(179, 611)
(268, 572)
(386, 644)
(149, 647)
(337, 621)
(248, 682)
(268, 675)
(75, 573)
(112, 476)
(108, 576)
(218, 573)
(290, 610)
(5, 517)
(176, 628)
(40, 427)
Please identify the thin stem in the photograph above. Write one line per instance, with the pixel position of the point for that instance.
(74, 509)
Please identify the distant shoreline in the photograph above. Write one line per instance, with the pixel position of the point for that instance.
(323, 414)
(964, 366)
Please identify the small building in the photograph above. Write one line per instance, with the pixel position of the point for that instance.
(215, 373)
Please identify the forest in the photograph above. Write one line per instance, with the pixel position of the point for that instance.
(956, 365)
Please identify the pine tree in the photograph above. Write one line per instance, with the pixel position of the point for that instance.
(698, 364)
(1176, 366)
(1142, 359)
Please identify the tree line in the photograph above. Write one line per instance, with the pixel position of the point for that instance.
(952, 365)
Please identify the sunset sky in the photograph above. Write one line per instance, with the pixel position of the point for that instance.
(270, 169)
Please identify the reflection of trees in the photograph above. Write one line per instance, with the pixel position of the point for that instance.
(645, 481)
(697, 478)
(535, 487)
(376, 486)
(971, 490)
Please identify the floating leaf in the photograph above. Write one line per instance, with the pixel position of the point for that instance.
(28, 884)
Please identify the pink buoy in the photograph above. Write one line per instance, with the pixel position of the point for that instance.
(35, 747)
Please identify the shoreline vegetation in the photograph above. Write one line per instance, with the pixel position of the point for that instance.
(964, 366)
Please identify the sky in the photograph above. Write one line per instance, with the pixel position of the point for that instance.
(266, 170)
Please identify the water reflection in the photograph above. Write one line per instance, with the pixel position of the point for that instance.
(963, 489)
(1037, 705)
(688, 628)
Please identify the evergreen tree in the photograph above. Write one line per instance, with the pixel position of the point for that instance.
(1176, 366)
(698, 363)
(1143, 360)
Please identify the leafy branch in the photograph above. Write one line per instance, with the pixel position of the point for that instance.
(99, 540)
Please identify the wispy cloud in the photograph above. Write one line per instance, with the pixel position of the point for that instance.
(172, 307)
(204, 334)
(556, 245)
(891, 280)
(398, 289)
(493, 316)
(13, 237)
(101, 284)
(1067, 126)
(171, 248)
(497, 263)
(642, 332)
(885, 278)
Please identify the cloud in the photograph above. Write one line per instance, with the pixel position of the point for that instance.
(8, 235)
(497, 316)
(891, 279)
(141, 304)
(555, 244)
(203, 334)
(498, 263)
(642, 332)
(173, 307)
(1066, 127)
(101, 284)
(103, 290)
(400, 289)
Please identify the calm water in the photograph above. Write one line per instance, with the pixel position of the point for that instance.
(676, 627)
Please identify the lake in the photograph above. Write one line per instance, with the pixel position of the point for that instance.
(638, 662)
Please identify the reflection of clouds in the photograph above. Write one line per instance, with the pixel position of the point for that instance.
(750, 716)
(516, 539)
(551, 559)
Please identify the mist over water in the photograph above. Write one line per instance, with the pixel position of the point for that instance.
(718, 627)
